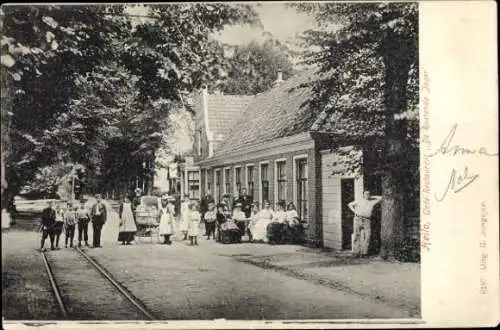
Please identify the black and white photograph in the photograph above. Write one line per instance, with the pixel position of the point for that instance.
(249, 161)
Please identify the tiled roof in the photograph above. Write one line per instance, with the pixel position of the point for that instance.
(224, 111)
(282, 111)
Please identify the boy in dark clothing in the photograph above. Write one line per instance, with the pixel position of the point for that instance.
(48, 220)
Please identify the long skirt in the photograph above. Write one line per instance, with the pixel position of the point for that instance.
(259, 230)
(127, 228)
(126, 236)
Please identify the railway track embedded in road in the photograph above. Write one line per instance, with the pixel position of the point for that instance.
(71, 297)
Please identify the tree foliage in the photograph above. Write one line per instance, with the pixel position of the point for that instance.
(253, 67)
(87, 84)
(367, 54)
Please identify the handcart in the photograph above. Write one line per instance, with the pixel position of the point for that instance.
(148, 218)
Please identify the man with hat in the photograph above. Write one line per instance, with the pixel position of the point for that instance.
(98, 216)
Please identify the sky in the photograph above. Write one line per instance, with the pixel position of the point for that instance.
(284, 23)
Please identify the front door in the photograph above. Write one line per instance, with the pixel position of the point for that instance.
(347, 196)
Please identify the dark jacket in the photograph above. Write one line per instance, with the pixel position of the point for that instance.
(246, 204)
(207, 199)
(102, 216)
(221, 218)
(48, 218)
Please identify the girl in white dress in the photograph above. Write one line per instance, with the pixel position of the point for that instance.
(194, 223)
(167, 219)
(184, 221)
(127, 228)
(253, 220)
(264, 218)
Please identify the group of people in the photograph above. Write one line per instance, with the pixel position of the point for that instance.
(223, 222)
(229, 223)
(67, 217)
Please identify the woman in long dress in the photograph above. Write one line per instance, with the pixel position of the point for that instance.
(127, 226)
(184, 220)
(264, 218)
(167, 219)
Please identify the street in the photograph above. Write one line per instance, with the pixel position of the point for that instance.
(178, 282)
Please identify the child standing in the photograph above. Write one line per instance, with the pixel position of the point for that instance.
(184, 221)
(194, 223)
(210, 217)
(166, 228)
(69, 225)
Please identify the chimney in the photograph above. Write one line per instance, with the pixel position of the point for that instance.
(204, 98)
(279, 80)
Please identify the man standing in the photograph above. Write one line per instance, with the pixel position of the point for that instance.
(48, 221)
(98, 215)
(206, 200)
(83, 219)
(363, 211)
(246, 202)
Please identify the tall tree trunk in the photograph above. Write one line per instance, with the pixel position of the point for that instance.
(398, 56)
(6, 108)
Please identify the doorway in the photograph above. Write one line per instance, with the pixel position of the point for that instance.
(347, 196)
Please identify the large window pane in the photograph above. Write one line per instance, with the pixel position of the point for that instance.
(281, 180)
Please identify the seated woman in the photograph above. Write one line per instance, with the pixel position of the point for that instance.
(263, 219)
(230, 233)
(239, 218)
(276, 230)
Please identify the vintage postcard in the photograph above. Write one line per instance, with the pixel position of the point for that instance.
(250, 165)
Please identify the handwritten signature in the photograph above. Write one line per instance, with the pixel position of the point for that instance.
(447, 149)
(457, 182)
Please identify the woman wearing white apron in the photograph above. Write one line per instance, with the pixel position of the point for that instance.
(167, 219)
(184, 221)
(127, 228)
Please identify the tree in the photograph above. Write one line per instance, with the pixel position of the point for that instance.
(85, 82)
(253, 68)
(369, 69)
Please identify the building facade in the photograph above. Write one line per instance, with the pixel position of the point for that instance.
(278, 149)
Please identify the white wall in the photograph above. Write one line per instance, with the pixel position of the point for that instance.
(332, 200)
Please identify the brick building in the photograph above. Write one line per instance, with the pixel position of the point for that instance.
(278, 148)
